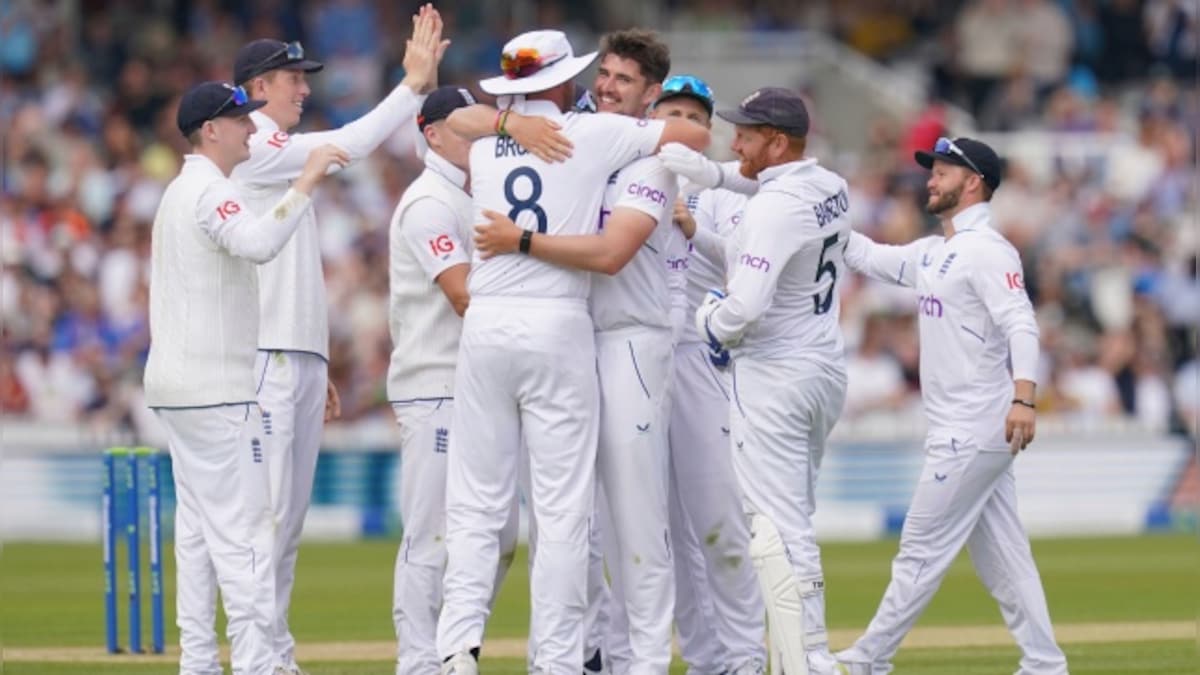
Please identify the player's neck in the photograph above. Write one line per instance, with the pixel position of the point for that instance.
(947, 218)
(214, 156)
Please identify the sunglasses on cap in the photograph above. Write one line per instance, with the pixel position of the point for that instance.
(294, 51)
(945, 146)
(687, 84)
(526, 62)
(237, 98)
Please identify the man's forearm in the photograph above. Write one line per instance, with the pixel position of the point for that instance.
(580, 251)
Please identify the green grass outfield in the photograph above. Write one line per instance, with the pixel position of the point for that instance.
(1121, 605)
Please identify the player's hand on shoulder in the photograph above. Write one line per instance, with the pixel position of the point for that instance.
(539, 135)
(498, 236)
(320, 160)
(424, 51)
(683, 218)
(692, 165)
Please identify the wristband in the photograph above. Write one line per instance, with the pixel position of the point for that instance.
(1027, 404)
(501, 120)
(526, 240)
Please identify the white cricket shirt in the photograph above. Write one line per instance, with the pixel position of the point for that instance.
(787, 260)
(430, 232)
(971, 302)
(204, 288)
(639, 294)
(717, 213)
(294, 311)
(561, 198)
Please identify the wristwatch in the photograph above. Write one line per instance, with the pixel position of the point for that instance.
(1027, 404)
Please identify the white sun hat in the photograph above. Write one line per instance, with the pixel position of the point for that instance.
(536, 61)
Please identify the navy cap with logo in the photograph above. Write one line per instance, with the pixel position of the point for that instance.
(210, 100)
(974, 155)
(443, 101)
(262, 56)
(776, 107)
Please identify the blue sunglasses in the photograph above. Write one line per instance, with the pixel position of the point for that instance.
(237, 98)
(688, 84)
(945, 146)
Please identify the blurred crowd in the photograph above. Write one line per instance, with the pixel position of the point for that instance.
(88, 94)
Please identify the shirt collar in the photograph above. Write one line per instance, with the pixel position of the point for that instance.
(198, 162)
(773, 172)
(442, 166)
(972, 218)
(263, 121)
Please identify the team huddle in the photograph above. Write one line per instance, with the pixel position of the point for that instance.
(587, 313)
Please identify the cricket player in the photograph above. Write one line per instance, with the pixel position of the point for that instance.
(707, 524)
(430, 241)
(527, 358)
(779, 320)
(979, 357)
(630, 307)
(294, 389)
(200, 379)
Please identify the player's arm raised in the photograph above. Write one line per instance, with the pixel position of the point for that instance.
(884, 262)
(539, 135)
(624, 233)
(773, 236)
(226, 220)
(997, 279)
(281, 156)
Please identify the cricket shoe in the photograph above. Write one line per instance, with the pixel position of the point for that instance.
(462, 663)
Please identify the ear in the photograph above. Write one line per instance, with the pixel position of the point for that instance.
(652, 94)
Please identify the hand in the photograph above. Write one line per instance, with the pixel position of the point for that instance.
(1019, 427)
(539, 136)
(498, 236)
(424, 51)
(683, 161)
(712, 300)
(333, 404)
(317, 166)
(683, 219)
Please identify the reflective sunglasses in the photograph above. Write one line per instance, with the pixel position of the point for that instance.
(294, 51)
(687, 84)
(237, 98)
(525, 62)
(945, 146)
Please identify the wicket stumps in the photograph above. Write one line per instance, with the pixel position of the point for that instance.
(112, 519)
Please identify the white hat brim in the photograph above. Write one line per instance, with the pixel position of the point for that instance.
(542, 80)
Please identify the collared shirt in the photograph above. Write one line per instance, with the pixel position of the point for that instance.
(295, 312)
(786, 261)
(430, 232)
(717, 213)
(971, 302)
(206, 246)
(561, 198)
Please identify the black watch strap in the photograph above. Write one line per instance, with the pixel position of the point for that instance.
(526, 240)
(1027, 404)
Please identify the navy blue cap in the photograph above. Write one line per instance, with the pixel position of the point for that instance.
(443, 101)
(975, 155)
(209, 100)
(265, 55)
(776, 107)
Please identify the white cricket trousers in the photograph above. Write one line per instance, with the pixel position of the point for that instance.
(291, 392)
(526, 372)
(783, 410)
(709, 526)
(964, 496)
(421, 559)
(223, 536)
(633, 462)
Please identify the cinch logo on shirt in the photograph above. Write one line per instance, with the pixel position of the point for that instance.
(755, 262)
(442, 246)
(644, 191)
(676, 264)
(229, 209)
(831, 208)
(930, 306)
